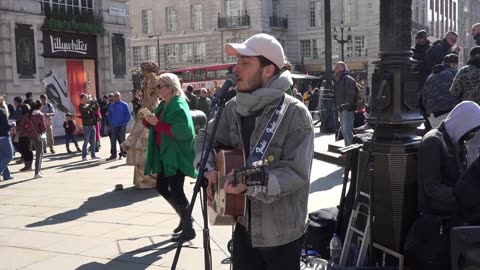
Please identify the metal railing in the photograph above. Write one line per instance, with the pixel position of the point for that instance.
(233, 21)
(279, 21)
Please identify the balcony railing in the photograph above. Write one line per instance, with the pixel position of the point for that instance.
(233, 21)
(279, 22)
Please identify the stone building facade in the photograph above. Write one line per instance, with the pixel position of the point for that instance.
(192, 33)
(63, 49)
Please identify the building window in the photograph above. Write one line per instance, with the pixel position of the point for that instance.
(305, 49)
(229, 58)
(147, 21)
(357, 47)
(315, 49)
(315, 9)
(199, 52)
(233, 7)
(136, 56)
(276, 8)
(171, 19)
(193, 52)
(151, 53)
(197, 17)
(350, 12)
(68, 6)
(360, 48)
(172, 53)
(186, 53)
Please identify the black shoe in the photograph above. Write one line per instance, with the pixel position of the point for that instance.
(52, 151)
(69, 151)
(78, 150)
(179, 228)
(111, 158)
(187, 236)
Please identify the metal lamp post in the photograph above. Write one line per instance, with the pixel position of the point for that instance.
(341, 40)
(158, 48)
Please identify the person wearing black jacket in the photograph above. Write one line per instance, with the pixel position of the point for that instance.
(442, 160)
(422, 44)
(192, 100)
(440, 49)
(87, 106)
(345, 94)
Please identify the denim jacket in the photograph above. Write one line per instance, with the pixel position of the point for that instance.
(278, 216)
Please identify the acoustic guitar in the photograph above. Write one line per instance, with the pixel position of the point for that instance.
(226, 208)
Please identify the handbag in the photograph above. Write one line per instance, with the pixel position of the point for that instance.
(41, 137)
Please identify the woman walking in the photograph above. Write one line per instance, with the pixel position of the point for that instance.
(24, 145)
(34, 126)
(170, 150)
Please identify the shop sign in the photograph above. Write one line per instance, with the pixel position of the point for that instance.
(69, 45)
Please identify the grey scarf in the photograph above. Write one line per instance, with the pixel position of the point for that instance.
(249, 103)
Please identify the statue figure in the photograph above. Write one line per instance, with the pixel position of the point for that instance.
(136, 143)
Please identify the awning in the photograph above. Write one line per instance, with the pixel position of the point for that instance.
(303, 76)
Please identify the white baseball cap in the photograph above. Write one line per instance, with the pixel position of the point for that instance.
(259, 44)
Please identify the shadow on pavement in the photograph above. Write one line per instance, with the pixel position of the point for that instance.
(327, 182)
(62, 156)
(109, 200)
(116, 166)
(138, 259)
(13, 183)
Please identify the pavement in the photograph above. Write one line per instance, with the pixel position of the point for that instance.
(74, 219)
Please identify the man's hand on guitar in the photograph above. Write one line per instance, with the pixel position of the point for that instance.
(212, 181)
(238, 189)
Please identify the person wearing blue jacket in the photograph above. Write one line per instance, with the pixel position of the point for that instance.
(436, 98)
(118, 116)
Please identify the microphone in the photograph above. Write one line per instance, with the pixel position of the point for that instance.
(230, 81)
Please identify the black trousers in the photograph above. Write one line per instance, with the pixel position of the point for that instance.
(25, 148)
(246, 257)
(171, 188)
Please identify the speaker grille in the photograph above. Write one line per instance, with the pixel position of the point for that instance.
(394, 195)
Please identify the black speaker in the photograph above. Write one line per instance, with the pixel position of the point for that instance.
(327, 116)
(465, 248)
(394, 194)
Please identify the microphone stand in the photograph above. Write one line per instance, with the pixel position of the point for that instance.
(202, 182)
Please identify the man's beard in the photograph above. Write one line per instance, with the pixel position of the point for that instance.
(255, 83)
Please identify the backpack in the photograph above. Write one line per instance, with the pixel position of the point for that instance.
(359, 100)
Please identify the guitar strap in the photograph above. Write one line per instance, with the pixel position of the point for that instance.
(269, 131)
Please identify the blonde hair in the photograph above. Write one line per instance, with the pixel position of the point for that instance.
(172, 80)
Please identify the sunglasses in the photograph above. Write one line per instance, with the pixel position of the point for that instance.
(469, 135)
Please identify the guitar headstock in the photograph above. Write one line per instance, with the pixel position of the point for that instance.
(257, 175)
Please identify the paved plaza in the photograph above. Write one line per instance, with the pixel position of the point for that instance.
(73, 218)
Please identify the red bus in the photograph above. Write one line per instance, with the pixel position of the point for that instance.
(203, 76)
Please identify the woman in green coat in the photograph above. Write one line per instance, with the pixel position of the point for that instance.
(170, 150)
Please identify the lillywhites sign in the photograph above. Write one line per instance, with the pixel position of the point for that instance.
(74, 46)
(69, 45)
